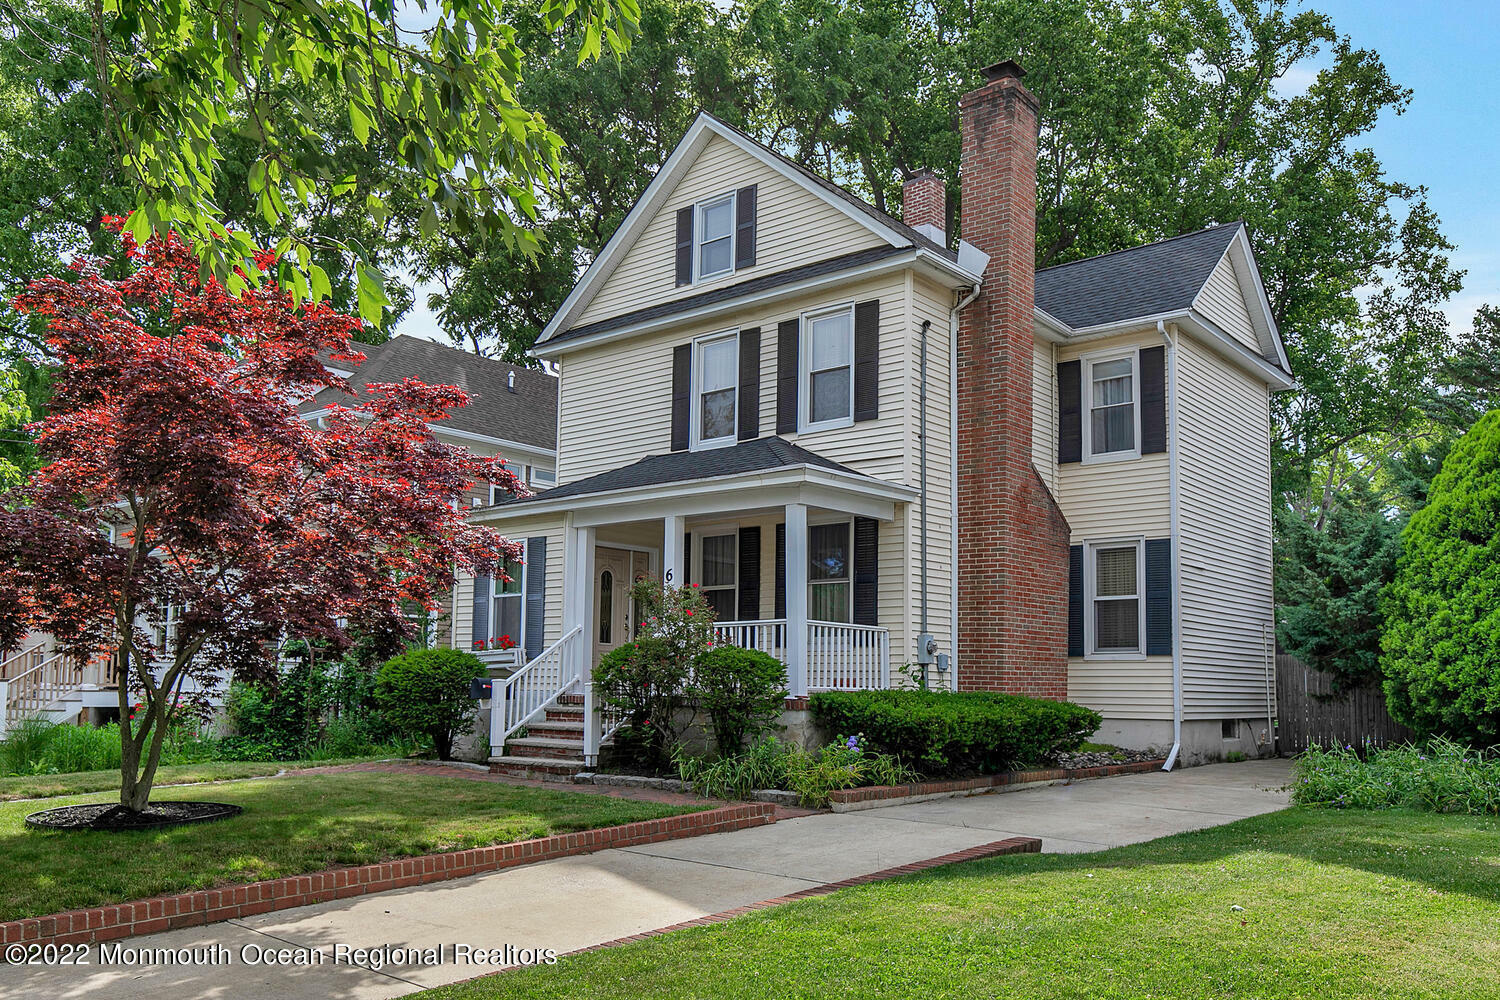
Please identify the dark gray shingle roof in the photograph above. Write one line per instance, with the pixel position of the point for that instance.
(527, 416)
(1128, 284)
(759, 455)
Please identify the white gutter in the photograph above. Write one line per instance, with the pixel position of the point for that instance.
(1172, 434)
(973, 293)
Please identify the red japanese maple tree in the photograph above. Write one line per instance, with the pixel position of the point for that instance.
(180, 474)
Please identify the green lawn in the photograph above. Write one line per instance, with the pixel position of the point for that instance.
(291, 825)
(1335, 905)
(40, 786)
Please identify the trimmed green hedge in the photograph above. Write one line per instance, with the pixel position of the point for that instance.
(942, 733)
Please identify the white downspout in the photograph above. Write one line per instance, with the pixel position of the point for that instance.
(970, 296)
(1171, 342)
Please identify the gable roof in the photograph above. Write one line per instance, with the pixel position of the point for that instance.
(1162, 277)
(760, 455)
(527, 415)
(1158, 280)
(893, 231)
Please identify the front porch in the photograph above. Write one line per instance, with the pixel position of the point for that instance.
(789, 558)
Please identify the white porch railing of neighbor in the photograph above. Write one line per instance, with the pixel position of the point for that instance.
(34, 688)
(847, 657)
(839, 657)
(521, 697)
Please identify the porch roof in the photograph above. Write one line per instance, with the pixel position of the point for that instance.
(769, 463)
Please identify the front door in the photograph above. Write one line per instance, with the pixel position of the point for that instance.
(612, 619)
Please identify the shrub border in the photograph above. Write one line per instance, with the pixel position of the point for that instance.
(876, 796)
(207, 906)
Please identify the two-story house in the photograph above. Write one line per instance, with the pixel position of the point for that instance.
(872, 444)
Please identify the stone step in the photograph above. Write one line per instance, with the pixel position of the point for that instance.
(556, 730)
(536, 768)
(539, 746)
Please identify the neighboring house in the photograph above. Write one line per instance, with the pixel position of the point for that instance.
(773, 390)
(512, 412)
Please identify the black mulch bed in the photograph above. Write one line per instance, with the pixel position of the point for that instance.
(115, 818)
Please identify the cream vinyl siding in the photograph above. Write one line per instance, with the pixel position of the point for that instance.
(793, 227)
(1225, 512)
(1223, 302)
(1114, 498)
(1044, 412)
(930, 301)
(616, 398)
(549, 527)
(1123, 689)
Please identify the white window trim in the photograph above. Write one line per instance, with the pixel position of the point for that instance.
(717, 531)
(699, 210)
(695, 419)
(804, 371)
(1131, 354)
(1090, 585)
(532, 470)
(519, 595)
(847, 578)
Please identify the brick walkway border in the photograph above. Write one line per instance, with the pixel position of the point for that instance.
(875, 796)
(207, 906)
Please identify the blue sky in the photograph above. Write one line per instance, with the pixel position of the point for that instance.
(1448, 139)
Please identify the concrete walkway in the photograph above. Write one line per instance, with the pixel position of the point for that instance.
(575, 902)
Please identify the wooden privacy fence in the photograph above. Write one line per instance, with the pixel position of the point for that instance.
(1308, 712)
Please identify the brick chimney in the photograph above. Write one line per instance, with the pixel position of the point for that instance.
(1013, 540)
(924, 205)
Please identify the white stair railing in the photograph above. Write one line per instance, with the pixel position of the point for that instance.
(842, 657)
(37, 687)
(525, 694)
(18, 663)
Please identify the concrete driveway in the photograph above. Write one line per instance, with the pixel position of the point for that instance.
(575, 902)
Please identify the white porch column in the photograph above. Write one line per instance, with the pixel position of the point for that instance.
(4, 707)
(796, 599)
(673, 558)
(578, 593)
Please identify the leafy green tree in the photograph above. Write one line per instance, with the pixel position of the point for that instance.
(437, 82)
(14, 412)
(1474, 370)
(1442, 612)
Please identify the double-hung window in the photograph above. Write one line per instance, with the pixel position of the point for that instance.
(829, 547)
(1113, 417)
(714, 242)
(510, 611)
(718, 574)
(1115, 616)
(716, 385)
(827, 390)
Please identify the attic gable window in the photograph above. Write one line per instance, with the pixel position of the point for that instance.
(715, 240)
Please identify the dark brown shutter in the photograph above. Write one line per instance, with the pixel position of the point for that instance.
(1153, 400)
(1075, 599)
(1158, 596)
(687, 561)
(744, 227)
(748, 609)
(780, 571)
(867, 360)
(479, 624)
(787, 336)
(682, 369)
(1070, 412)
(685, 245)
(749, 403)
(866, 571)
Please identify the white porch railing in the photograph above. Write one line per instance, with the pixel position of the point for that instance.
(26, 659)
(840, 657)
(521, 697)
(767, 636)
